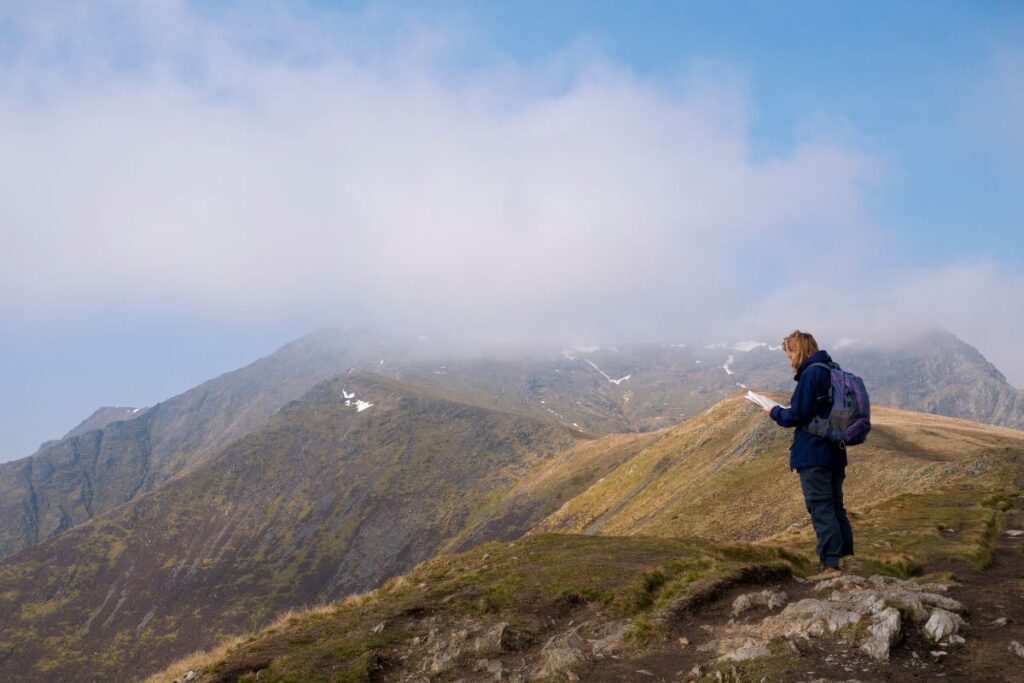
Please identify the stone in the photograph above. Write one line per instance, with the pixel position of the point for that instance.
(379, 627)
(1001, 621)
(882, 633)
(1016, 649)
(957, 640)
(942, 624)
(491, 666)
(560, 654)
(766, 598)
(613, 640)
(684, 642)
(1014, 533)
(444, 651)
(808, 617)
(490, 641)
(742, 649)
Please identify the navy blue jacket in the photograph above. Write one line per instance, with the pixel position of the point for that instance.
(810, 398)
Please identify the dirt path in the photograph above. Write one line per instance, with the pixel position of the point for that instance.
(989, 595)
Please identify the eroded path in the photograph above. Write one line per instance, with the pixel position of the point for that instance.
(992, 611)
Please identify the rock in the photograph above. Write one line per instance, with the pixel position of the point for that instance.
(1001, 621)
(883, 632)
(491, 666)
(808, 617)
(741, 649)
(490, 641)
(379, 627)
(766, 598)
(1016, 649)
(844, 582)
(938, 654)
(1014, 533)
(560, 654)
(613, 640)
(684, 642)
(189, 675)
(644, 672)
(957, 640)
(942, 624)
(444, 651)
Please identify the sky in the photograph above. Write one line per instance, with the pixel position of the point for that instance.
(187, 186)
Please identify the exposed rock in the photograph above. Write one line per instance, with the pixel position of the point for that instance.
(942, 624)
(491, 666)
(379, 627)
(613, 641)
(808, 617)
(1001, 621)
(490, 641)
(884, 630)
(189, 675)
(741, 649)
(1016, 649)
(767, 598)
(444, 651)
(559, 655)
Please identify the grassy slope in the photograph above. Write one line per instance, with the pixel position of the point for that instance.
(931, 490)
(724, 474)
(322, 502)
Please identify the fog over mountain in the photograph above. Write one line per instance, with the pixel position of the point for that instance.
(353, 174)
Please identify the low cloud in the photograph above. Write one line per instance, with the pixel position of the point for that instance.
(257, 167)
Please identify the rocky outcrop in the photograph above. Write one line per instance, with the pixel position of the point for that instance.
(883, 605)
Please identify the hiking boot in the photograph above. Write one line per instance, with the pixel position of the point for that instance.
(826, 573)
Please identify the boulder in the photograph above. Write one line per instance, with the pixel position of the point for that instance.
(942, 624)
(559, 655)
(882, 634)
(771, 599)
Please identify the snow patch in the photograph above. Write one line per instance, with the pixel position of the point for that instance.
(846, 341)
(358, 404)
(726, 366)
(605, 375)
(747, 345)
(775, 348)
(716, 345)
(586, 349)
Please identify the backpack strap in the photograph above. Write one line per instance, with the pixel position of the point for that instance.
(830, 367)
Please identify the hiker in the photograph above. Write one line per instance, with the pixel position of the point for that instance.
(820, 462)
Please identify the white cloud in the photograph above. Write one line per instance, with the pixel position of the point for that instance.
(271, 161)
(214, 176)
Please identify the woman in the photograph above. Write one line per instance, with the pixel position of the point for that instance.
(820, 463)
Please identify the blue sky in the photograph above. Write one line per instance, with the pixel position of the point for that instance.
(190, 186)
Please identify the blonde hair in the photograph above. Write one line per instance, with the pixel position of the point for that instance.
(801, 345)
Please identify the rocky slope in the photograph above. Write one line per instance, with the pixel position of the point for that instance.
(93, 470)
(640, 608)
(360, 479)
(597, 390)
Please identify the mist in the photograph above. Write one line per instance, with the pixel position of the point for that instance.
(290, 167)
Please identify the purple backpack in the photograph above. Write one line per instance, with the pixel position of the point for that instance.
(849, 421)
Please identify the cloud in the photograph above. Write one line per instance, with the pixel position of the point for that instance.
(256, 164)
(210, 163)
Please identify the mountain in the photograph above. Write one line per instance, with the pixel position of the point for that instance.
(359, 479)
(365, 476)
(658, 560)
(107, 461)
(598, 390)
